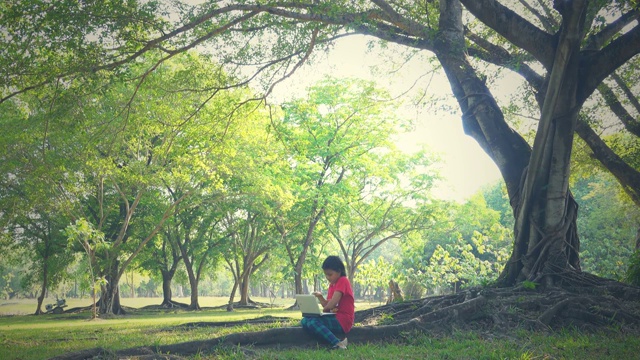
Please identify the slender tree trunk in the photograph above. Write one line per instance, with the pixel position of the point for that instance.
(94, 309)
(351, 270)
(188, 264)
(297, 278)
(193, 284)
(43, 290)
(232, 295)
(133, 292)
(317, 214)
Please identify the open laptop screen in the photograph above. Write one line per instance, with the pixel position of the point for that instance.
(310, 307)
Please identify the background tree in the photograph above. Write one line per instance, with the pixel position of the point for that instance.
(163, 255)
(329, 137)
(250, 239)
(91, 241)
(608, 225)
(387, 198)
(133, 164)
(120, 172)
(204, 159)
(466, 246)
(33, 212)
(374, 275)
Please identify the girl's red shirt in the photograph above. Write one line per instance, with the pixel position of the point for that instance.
(346, 306)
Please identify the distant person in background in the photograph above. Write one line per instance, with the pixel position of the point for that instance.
(339, 301)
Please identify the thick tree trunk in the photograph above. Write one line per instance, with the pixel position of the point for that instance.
(546, 212)
(537, 182)
(249, 267)
(194, 304)
(110, 299)
(193, 284)
(167, 276)
(244, 288)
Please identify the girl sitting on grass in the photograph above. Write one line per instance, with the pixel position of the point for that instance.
(339, 301)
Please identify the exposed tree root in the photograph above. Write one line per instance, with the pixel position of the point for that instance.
(597, 307)
(168, 305)
(237, 305)
(261, 320)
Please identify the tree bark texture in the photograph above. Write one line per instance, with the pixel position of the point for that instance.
(546, 242)
(167, 276)
(110, 297)
(43, 289)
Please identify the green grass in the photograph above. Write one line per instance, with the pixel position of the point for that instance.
(42, 337)
(522, 346)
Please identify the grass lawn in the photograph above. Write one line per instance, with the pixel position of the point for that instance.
(42, 337)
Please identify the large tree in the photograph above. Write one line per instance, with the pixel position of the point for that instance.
(576, 59)
(575, 56)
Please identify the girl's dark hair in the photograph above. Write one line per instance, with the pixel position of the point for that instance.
(334, 263)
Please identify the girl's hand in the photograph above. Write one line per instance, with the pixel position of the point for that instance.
(332, 305)
(321, 298)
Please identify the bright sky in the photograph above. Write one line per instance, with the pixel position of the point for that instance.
(465, 166)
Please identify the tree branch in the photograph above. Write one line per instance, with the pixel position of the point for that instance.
(596, 67)
(625, 89)
(610, 98)
(628, 177)
(546, 22)
(499, 56)
(597, 41)
(514, 28)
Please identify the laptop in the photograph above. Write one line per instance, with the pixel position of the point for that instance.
(310, 307)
